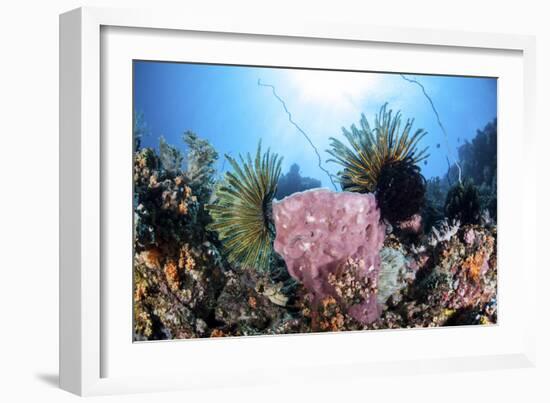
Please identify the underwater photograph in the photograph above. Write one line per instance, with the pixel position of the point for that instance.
(273, 200)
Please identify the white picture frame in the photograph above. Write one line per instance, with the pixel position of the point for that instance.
(86, 303)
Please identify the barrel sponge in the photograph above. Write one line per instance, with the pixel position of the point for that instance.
(318, 231)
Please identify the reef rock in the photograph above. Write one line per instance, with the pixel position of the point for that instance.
(251, 303)
(318, 231)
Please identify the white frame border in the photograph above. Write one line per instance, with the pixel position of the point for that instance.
(80, 165)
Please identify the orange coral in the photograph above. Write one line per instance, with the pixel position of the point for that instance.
(151, 258)
(172, 274)
(186, 260)
(331, 317)
(475, 263)
(140, 292)
(252, 302)
(143, 323)
(328, 302)
(188, 192)
(182, 208)
(217, 333)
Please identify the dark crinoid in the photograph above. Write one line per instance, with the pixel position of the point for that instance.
(383, 159)
(400, 190)
(463, 204)
(372, 148)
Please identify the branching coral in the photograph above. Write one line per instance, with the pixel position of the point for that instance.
(199, 161)
(242, 214)
(444, 231)
(372, 149)
(170, 157)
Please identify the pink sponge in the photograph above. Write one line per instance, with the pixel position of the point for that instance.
(319, 230)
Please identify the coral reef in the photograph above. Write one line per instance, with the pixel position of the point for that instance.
(455, 283)
(220, 257)
(177, 270)
(322, 234)
(242, 212)
(251, 303)
(478, 159)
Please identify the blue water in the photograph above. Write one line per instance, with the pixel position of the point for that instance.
(225, 105)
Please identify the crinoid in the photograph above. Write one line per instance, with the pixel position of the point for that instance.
(463, 203)
(242, 212)
(384, 160)
(374, 148)
(400, 190)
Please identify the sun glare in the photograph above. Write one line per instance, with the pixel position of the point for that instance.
(331, 88)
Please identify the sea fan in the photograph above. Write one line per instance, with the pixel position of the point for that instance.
(242, 213)
(372, 149)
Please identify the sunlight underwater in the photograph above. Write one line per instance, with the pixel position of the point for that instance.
(257, 251)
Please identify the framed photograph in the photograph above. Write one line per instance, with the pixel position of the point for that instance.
(244, 202)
